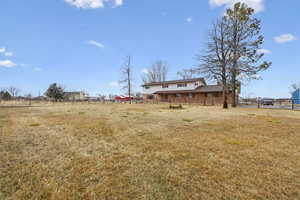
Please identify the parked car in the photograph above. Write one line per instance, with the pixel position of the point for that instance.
(267, 102)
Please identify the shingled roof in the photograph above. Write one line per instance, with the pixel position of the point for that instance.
(200, 89)
(209, 88)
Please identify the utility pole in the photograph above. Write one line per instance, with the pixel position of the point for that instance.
(129, 78)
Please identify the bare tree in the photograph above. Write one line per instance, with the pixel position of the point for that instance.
(186, 74)
(215, 62)
(14, 91)
(126, 81)
(245, 41)
(157, 72)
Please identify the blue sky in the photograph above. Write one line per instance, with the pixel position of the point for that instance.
(82, 44)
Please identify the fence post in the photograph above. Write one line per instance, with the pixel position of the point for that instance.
(258, 103)
(293, 106)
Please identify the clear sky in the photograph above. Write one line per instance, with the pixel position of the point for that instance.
(82, 44)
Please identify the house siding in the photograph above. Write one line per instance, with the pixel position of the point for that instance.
(172, 87)
(208, 99)
(194, 92)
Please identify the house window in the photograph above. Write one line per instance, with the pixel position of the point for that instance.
(212, 95)
(196, 84)
(182, 85)
(165, 86)
(178, 95)
(147, 87)
(191, 95)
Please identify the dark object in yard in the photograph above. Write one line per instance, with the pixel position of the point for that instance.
(176, 106)
(267, 102)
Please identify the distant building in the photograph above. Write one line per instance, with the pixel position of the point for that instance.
(296, 96)
(185, 91)
(74, 96)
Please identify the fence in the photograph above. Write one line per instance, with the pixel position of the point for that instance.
(286, 104)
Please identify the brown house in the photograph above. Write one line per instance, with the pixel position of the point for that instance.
(185, 91)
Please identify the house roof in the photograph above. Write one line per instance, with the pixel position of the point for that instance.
(200, 89)
(174, 91)
(209, 88)
(175, 81)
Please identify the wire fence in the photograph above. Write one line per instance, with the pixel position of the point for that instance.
(286, 104)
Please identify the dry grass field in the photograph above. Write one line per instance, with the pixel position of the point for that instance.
(148, 152)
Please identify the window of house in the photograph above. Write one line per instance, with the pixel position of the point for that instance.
(211, 95)
(147, 87)
(182, 85)
(165, 86)
(196, 84)
(178, 95)
(191, 95)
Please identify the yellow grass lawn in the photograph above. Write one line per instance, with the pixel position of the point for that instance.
(117, 151)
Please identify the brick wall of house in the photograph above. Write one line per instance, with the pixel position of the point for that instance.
(197, 98)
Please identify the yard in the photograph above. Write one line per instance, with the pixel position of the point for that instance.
(119, 151)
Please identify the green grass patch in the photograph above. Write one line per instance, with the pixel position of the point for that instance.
(146, 113)
(187, 120)
(34, 124)
(233, 142)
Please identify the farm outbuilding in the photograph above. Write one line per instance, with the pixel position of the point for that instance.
(296, 96)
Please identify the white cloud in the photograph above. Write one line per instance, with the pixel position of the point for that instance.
(7, 63)
(95, 43)
(8, 54)
(264, 51)
(257, 5)
(285, 38)
(114, 84)
(189, 20)
(86, 4)
(145, 71)
(2, 50)
(38, 69)
(118, 2)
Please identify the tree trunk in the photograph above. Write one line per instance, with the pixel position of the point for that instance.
(234, 103)
(225, 97)
(129, 80)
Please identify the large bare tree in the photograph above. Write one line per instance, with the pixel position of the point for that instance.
(245, 41)
(126, 80)
(186, 74)
(14, 92)
(215, 61)
(157, 72)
